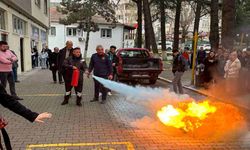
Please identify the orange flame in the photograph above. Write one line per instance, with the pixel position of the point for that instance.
(188, 116)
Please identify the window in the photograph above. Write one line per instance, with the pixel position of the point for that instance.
(106, 33)
(45, 7)
(2, 21)
(79, 32)
(38, 3)
(35, 33)
(19, 25)
(3, 37)
(134, 54)
(53, 31)
(71, 31)
(120, 17)
(43, 36)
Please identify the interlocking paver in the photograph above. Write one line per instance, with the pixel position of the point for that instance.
(94, 123)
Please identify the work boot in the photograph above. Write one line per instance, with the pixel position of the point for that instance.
(78, 101)
(66, 100)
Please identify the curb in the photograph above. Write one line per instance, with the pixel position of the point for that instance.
(186, 87)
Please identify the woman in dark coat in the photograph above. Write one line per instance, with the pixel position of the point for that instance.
(12, 104)
(210, 68)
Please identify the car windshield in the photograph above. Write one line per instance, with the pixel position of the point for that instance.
(134, 54)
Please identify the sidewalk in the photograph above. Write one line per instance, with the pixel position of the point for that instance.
(167, 75)
(95, 126)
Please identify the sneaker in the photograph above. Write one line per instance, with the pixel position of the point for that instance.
(109, 93)
(100, 94)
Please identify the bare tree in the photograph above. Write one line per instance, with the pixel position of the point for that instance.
(149, 31)
(163, 28)
(186, 19)
(177, 24)
(139, 23)
(214, 27)
(228, 23)
(197, 19)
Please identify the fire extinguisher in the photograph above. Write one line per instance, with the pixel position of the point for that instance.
(75, 77)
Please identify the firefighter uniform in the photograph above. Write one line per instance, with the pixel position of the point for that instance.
(68, 69)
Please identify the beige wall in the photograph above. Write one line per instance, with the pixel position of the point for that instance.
(39, 12)
(25, 4)
(14, 38)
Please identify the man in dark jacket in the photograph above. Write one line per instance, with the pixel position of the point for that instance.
(102, 67)
(12, 104)
(201, 56)
(64, 54)
(178, 70)
(49, 52)
(53, 60)
(74, 62)
(114, 60)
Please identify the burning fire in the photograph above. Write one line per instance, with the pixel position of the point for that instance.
(188, 116)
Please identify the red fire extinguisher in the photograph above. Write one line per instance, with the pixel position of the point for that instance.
(75, 77)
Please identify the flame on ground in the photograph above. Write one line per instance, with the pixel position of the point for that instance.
(187, 116)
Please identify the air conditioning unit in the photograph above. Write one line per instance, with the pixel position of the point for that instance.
(80, 39)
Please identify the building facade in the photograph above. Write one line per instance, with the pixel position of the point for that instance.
(107, 35)
(24, 25)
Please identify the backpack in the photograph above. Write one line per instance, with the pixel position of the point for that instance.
(184, 62)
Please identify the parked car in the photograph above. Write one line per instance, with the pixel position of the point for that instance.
(138, 64)
(169, 45)
(206, 47)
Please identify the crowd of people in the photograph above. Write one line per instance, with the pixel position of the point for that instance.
(64, 63)
(229, 68)
(8, 73)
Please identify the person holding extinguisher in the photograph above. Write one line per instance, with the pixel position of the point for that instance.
(74, 68)
(102, 67)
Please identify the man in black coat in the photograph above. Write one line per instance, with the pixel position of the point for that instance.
(12, 104)
(64, 54)
(201, 56)
(114, 60)
(53, 60)
(49, 52)
(102, 67)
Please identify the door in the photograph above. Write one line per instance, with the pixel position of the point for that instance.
(21, 54)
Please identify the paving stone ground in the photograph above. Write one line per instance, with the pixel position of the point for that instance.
(95, 126)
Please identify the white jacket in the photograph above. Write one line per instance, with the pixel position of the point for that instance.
(232, 69)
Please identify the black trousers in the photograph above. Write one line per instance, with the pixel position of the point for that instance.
(8, 76)
(78, 89)
(100, 88)
(47, 63)
(54, 71)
